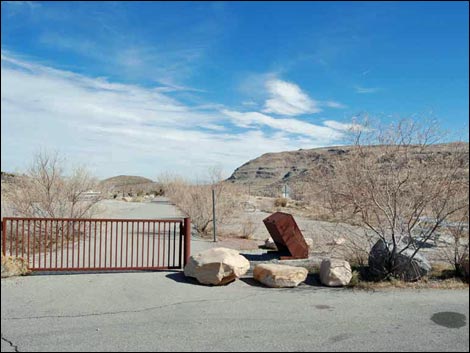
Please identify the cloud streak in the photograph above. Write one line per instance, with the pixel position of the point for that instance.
(366, 90)
(287, 98)
(117, 128)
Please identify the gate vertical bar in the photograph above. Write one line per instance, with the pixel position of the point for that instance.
(50, 241)
(180, 252)
(29, 238)
(22, 238)
(105, 243)
(174, 244)
(4, 237)
(111, 246)
(34, 243)
(148, 243)
(158, 252)
(163, 247)
(153, 245)
(56, 242)
(16, 239)
(187, 240)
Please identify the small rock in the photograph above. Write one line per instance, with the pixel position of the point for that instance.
(279, 276)
(14, 266)
(335, 272)
(337, 241)
(270, 244)
(217, 266)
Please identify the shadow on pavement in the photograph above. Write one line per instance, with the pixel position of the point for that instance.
(252, 282)
(108, 272)
(181, 278)
(313, 280)
(271, 255)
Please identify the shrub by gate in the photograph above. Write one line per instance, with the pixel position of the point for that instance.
(65, 244)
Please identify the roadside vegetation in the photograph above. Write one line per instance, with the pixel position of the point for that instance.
(47, 189)
(195, 199)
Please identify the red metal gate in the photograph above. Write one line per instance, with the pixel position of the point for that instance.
(65, 244)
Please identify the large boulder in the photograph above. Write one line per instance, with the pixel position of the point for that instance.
(405, 269)
(14, 266)
(335, 272)
(277, 276)
(217, 266)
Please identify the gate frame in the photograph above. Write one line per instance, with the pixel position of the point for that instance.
(184, 234)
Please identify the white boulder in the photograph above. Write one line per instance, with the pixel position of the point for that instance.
(335, 272)
(274, 275)
(217, 266)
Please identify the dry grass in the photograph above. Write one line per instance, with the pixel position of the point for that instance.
(441, 277)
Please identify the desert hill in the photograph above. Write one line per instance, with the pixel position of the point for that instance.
(267, 174)
(130, 184)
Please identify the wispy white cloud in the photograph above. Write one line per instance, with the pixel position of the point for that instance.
(343, 126)
(365, 90)
(249, 103)
(333, 104)
(320, 134)
(287, 98)
(120, 128)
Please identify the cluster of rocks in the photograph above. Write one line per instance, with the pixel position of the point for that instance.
(219, 266)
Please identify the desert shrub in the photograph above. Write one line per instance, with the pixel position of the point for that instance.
(456, 253)
(280, 202)
(195, 200)
(45, 190)
(393, 178)
(247, 228)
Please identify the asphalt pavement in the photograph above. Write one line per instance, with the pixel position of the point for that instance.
(164, 311)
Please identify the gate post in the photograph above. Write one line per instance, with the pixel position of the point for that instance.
(4, 237)
(187, 240)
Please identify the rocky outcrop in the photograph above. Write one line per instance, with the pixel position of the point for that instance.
(335, 272)
(404, 268)
(278, 276)
(14, 266)
(217, 266)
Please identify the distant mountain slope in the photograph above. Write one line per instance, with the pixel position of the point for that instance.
(273, 170)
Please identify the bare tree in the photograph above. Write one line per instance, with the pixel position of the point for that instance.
(400, 185)
(195, 199)
(45, 190)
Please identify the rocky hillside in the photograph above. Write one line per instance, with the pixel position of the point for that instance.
(269, 173)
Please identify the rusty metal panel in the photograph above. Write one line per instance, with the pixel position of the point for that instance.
(286, 235)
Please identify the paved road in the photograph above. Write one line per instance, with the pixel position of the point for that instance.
(161, 311)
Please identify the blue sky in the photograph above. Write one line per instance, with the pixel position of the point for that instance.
(151, 87)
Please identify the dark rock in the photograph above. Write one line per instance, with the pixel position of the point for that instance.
(379, 258)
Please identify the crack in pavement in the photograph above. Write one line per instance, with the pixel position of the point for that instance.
(128, 311)
(10, 343)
